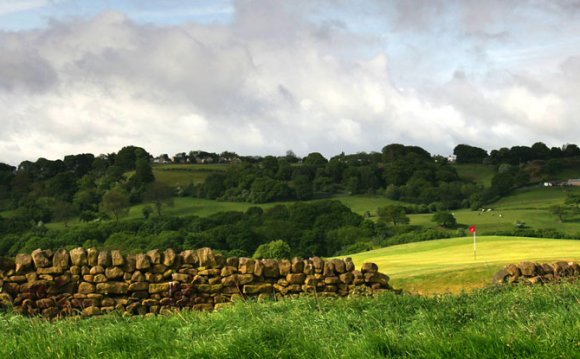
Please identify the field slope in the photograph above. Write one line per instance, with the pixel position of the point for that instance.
(448, 265)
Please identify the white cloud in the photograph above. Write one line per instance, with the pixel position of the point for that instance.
(281, 77)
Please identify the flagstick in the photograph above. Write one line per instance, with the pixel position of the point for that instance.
(474, 247)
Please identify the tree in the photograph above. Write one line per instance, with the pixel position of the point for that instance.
(143, 172)
(160, 195)
(393, 214)
(560, 211)
(469, 154)
(275, 249)
(116, 203)
(444, 219)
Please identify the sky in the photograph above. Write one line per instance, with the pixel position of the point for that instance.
(262, 77)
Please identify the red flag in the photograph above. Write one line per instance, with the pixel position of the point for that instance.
(472, 229)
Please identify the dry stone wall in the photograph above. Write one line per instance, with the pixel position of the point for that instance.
(92, 282)
(537, 273)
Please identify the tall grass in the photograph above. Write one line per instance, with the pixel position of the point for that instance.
(495, 322)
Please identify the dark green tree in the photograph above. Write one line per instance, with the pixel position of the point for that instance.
(394, 214)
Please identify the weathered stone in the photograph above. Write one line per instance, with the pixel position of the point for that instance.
(528, 269)
(339, 266)
(295, 278)
(88, 278)
(228, 270)
(206, 257)
(285, 267)
(63, 279)
(23, 261)
(210, 272)
(318, 264)
(41, 258)
(358, 277)
(138, 286)
(369, 268)
(331, 280)
(117, 259)
(85, 270)
(137, 277)
(97, 270)
(500, 277)
(5, 300)
(91, 311)
(93, 257)
(18, 278)
(328, 270)
(297, 265)
(113, 288)
(158, 268)
(189, 257)
(220, 260)
(114, 272)
(283, 282)
(209, 288)
(308, 267)
(246, 266)
(61, 259)
(31, 277)
(49, 270)
(100, 278)
(233, 262)
(86, 288)
(513, 270)
(348, 264)
(183, 278)
(104, 259)
(271, 269)
(142, 261)
(258, 269)
(78, 257)
(379, 278)
(169, 257)
(154, 256)
(130, 263)
(159, 287)
(346, 278)
(257, 288)
(153, 277)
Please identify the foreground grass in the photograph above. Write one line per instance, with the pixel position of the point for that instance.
(531, 322)
(447, 265)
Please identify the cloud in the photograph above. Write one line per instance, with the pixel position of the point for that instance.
(302, 75)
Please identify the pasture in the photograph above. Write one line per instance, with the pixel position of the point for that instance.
(448, 265)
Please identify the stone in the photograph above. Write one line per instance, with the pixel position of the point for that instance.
(23, 261)
(348, 264)
(257, 288)
(137, 276)
(130, 263)
(308, 267)
(297, 265)
(61, 259)
(528, 269)
(169, 257)
(49, 270)
(369, 268)
(142, 261)
(285, 267)
(91, 311)
(158, 287)
(513, 270)
(346, 278)
(318, 264)
(377, 277)
(210, 272)
(339, 266)
(100, 278)
(331, 280)
(93, 257)
(209, 288)
(5, 300)
(271, 269)
(114, 272)
(86, 288)
(328, 270)
(233, 262)
(158, 268)
(183, 278)
(113, 288)
(117, 259)
(228, 270)
(138, 286)
(104, 259)
(97, 270)
(206, 257)
(246, 266)
(500, 277)
(41, 258)
(295, 278)
(259, 269)
(78, 257)
(154, 256)
(189, 257)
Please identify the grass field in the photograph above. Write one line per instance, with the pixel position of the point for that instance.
(184, 174)
(448, 265)
(480, 174)
(519, 322)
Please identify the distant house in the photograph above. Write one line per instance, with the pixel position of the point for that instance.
(452, 158)
(162, 159)
(573, 182)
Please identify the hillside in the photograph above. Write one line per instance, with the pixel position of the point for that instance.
(448, 265)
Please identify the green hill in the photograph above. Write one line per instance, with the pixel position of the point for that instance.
(448, 264)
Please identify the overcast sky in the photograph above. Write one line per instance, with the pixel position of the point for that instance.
(264, 77)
